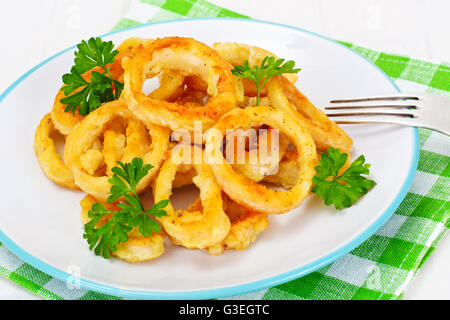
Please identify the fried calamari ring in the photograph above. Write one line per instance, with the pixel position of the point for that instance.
(184, 178)
(82, 137)
(131, 45)
(192, 98)
(287, 173)
(137, 141)
(243, 232)
(138, 248)
(189, 57)
(113, 147)
(267, 163)
(50, 161)
(91, 161)
(249, 193)
(86, 204)
(66, 121)
(326, 133)
(171, 81)
(125, 147)
(127, 48)
(196, 83)
(246, 225)
(197, 229)
(288, 170)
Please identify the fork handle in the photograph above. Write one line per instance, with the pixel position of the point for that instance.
(445, 129)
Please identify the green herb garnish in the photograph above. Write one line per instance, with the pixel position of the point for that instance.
(270, 66)
(132, 213)
(101, 87)
(341, 190)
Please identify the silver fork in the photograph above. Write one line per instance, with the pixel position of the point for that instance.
(421, 110)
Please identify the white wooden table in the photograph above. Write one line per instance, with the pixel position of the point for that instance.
(33, 30)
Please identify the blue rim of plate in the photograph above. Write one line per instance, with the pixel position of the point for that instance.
(237, 289)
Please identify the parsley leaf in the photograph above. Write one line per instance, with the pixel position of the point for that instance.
(131, 214)
(84, 95)
(341, 190)
(270, 66)
(105, 238)
(95, 52)
(132, 173)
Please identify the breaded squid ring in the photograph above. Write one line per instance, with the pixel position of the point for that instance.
(287, 173)
(288, 170)
(249, 193)
(66, 121)
(246, 225)
(137, 141)
(189, 57)
(138, 248)
(184, 178)
(128, 47)
(170, 82)
(326, 133)
(113, 146)
(243, 232)
(198, 229)
(50, 161)
(131, 45)
(82, 137)
(264, 166)
(125, 147)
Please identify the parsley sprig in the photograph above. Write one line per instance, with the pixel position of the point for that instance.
(132, 213)
(341, 190)
(101, 87)
(270, 66)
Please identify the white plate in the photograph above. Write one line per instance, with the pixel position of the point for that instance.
(40, 221)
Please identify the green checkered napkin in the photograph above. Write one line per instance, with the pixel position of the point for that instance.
(382, 266)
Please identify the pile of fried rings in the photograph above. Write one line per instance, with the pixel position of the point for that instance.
(196, 85)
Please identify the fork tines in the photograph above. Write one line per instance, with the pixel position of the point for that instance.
(398, 106)
(425, 110)
(386, 98)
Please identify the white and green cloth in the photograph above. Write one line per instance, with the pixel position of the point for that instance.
(383, 265)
